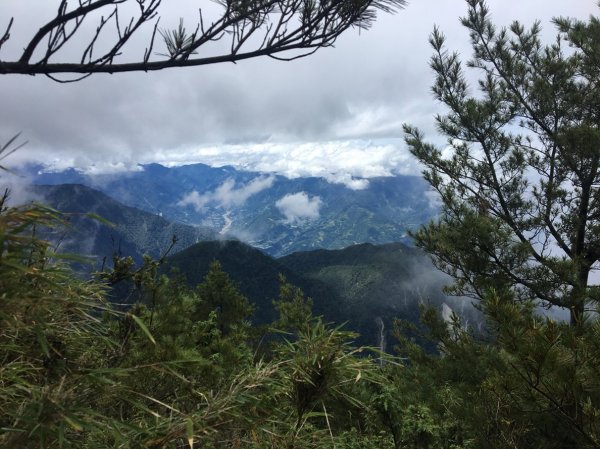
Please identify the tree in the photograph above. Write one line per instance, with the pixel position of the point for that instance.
(532, 385)
(520, 191)
(219, 294)
(296, 28)
(295, 311)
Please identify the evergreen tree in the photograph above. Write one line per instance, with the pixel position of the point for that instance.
(519, 227)
(218, 293)
(520, 178)
(295, 311)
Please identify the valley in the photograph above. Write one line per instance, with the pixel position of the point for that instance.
(364, 285)
(273, 213)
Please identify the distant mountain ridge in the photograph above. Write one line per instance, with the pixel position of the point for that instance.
(129, 231)
(364, 285)
(274, 213)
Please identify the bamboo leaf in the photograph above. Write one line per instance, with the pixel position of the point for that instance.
(41, 338)
(142, 326)
(76, 426)
(102, 220)
(190, 432)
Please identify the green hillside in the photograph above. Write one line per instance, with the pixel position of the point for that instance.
(121, 229)
(362, 285)
(376, 282)
(255, 273)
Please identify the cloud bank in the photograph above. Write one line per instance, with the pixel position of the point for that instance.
(298, 207)
(350, 162)
(303, 118)
(227, 195)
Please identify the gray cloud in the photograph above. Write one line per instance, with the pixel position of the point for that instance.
(18, 189)
(359, 91)
(297, 207)
(344, 162)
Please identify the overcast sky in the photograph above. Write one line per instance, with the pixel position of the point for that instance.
(336, 114)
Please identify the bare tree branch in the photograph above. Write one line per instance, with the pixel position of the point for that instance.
(6, 35)
(292, 28)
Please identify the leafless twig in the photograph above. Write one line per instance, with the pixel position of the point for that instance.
(290, 29)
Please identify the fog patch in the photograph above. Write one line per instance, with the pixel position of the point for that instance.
(227, 195)
(19, 190)
(299, 207)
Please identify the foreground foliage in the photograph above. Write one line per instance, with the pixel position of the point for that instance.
(179, 367)
(532, 383)
(183, 367)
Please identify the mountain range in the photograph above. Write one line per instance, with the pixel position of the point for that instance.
(96, 226)
(344, 245)
(363, 285)
(270, 212)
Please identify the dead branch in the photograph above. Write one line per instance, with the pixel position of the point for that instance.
(283, 29)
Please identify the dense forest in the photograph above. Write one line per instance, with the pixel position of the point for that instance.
(183, 367)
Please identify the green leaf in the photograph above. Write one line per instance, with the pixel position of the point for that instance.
(189, 425)
(41, 338)
(142, 326)
(100, 219)
(75, 425)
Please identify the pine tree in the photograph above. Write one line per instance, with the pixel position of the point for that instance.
(219, 294)
(520, 178)
(519, 228)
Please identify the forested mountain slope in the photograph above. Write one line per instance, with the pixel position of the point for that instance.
(274, 213)
(115, 229)
(255, 273)
(380, 282)
(363, 286)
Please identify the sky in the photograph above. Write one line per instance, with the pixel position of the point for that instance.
(337, 114)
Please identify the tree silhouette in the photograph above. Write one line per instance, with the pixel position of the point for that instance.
(292, 28)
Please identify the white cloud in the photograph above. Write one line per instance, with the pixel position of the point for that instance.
(348, 162)
(194, 199)
(19, 192)
(434, 199)
(299, 207)
(190, 115)
(227, 194)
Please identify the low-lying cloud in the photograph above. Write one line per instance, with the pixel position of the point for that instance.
(299, 207)
(18, 189)
(348, 162)
(227, 195)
